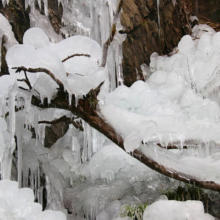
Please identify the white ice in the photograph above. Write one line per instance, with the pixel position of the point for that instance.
(6, 33)
(18, 203)
(175, 210)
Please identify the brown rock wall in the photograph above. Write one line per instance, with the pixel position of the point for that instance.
(144, 36)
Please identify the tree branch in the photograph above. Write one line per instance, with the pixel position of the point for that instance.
(43, 70)
(65, 119)
(75, 55)
(94, 118)
(26, 81)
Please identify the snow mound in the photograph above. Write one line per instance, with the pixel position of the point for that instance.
(18, 203)
(175, 210)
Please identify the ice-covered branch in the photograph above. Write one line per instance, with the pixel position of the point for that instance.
(43, 70)
(95, 119)
(184, 177)
(75, 55)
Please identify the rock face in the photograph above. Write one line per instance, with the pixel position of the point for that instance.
(146, 35)
(17, 16)
(55, 13)
(54, 132)
(19, 19)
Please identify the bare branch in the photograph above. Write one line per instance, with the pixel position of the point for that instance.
(43, 70)
(27, 82)
(62, 119)
(23, 88)
(172, 174)
(170, 147)
(75, 55)
(65, 119)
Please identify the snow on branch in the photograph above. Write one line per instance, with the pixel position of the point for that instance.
(173, 174)
(94, 118)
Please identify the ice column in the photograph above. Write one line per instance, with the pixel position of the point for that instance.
(46, 7)
(95, 19)
(93, 140)
(158, 13)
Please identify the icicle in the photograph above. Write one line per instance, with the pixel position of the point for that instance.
(158, 13)
(12, 113)
(174, 2)
(89, 141)
(19, 130)
(77, 154)
(85, 147)
(36, 119)
(0, 50)
(41, 133)
(76, 99)
(70, 99)
(111, 67)
(46, 7)
(39, 3)
(95, 140)
(3, 3)
(39, 191)
(206, 148)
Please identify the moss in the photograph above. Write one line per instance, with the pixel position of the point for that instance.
(134, 211)
(187, 192)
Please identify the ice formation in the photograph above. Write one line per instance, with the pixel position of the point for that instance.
(18, 203)
(177, 106)
(83, 171)
(174, 210)
(6, 34)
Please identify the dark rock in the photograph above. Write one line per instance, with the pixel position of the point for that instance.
(4, 66)
(54, 132)
(144, 36)
(17, 16)
(55, 13)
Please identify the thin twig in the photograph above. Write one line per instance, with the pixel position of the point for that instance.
(65, 119)
(43, 70)
(23, 88)
(28, 82)
(24, 80)
(62, 119)
(76, 55)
